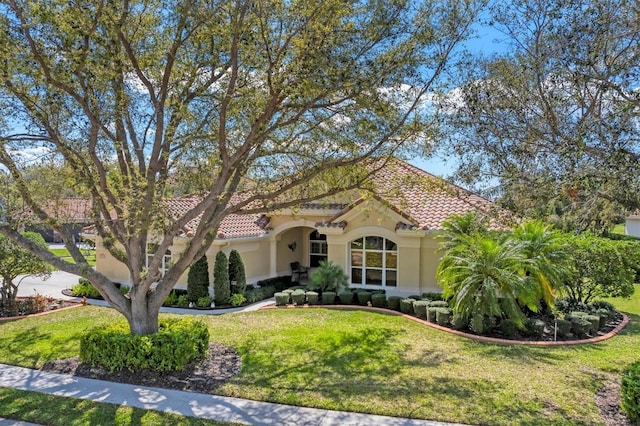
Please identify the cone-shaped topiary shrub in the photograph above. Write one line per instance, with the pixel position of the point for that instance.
(237, 272)
(198, 280)
(221, 287)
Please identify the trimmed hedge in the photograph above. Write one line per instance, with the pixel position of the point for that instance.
(312, 297)
(298, 297)
(432, 313)
(534, 327)
(282, 299)
(280, 283)
(431, 295)
(177, 343)
(346, 297)
(439, 304)
(630, 392)
(420, 308)
(364, 297)
(329, 298)
(406, 306)
(379, 300)
(563, 327)
(457, 322)
(394, 302)
(443, 316)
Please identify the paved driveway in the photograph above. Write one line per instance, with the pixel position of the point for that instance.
(52, 287)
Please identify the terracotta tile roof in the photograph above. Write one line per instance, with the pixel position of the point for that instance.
(423, 199)
(67, 210)
(232, 226)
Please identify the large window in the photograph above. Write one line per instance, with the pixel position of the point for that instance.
(317, 248)
(166, 259)
(374, 261)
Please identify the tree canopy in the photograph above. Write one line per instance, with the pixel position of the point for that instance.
(253, 105)
(551, 127)
(16, 261)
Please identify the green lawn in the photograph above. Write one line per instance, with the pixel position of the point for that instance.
(63, 253)
(369, 362)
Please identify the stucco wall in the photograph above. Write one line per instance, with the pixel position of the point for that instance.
(632, 226)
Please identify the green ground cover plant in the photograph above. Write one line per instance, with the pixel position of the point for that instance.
(378, 363)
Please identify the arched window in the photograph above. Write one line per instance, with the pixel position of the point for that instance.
(317, 248)
(374, 261)
(166, 259)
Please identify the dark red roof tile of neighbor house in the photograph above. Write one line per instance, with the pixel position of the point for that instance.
(69, 209)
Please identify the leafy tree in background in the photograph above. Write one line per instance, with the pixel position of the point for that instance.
(16, 261)
(237, 272)
(198, 280)
(221, 285)
(254, 106)
(551, 127)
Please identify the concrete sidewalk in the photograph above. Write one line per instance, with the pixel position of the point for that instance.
(193, 404)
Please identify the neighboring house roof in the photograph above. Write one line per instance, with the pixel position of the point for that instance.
(67, 210)
(424, 200)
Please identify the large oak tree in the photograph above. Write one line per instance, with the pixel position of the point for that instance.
(552, 123)
(258, 104)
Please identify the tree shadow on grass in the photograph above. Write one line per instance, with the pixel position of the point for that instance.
(26, 347)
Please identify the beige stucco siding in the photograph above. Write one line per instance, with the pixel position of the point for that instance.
(429, 260)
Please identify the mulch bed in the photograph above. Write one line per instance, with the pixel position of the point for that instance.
(204, 376)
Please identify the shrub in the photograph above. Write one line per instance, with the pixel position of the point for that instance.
(508, 327)
(84, 288)
(221, 286)
(312, 297)
(420, 308)
(439, 304)
(457, 322)
(298, 297)
(364, 297)
(379, 300)
(177, 343)
(254, 295)
(481, 324)
(279, 283)
(346, 297)
(198, 280)
(630, 392)
(282, 299)
(171, 299)
(328, 298)
(268, 291)
(183, 301)
(394, 302)
(432, 313)
(595, 323)
(289, 291)
(237, 273)
(406, 306)
(328, 277)
(443, 316)
(580, 326)
(534, 327)
(604, 315)
(563, 327)
(431, 295)
(237, 299)
(603, 304)
(204, 302)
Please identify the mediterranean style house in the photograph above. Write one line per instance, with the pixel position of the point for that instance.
(383, 239)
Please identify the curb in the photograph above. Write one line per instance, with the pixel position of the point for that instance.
(482, 339)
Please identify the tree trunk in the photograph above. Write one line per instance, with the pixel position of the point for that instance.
(142, 318)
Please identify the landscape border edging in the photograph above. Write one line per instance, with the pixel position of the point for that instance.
(483, 339)
(51, 311)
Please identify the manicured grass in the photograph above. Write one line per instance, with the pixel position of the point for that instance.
(60, 411)
(369, 362)
(63, 253)
(618, 229)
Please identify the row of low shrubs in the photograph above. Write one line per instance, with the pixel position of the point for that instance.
(377, 298)
(23, 306)
(180, 298)
(177, 343)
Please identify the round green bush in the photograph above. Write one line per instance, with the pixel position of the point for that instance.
(630, 392)
(328, 298)
(178, 342)
(420, 308)
(394, 302)
(346, 297)
(364, 297)
(406, 306)
(282, 298)
(379, 300)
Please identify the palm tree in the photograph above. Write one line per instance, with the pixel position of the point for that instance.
(484, 277)
(546, 260)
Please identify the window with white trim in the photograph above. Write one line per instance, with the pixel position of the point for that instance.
(318, 248)
(166, 259)
(374, 261)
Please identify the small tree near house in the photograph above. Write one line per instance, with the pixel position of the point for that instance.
(221, 286)
(237, 273)
(16, 261)
(198, 280)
